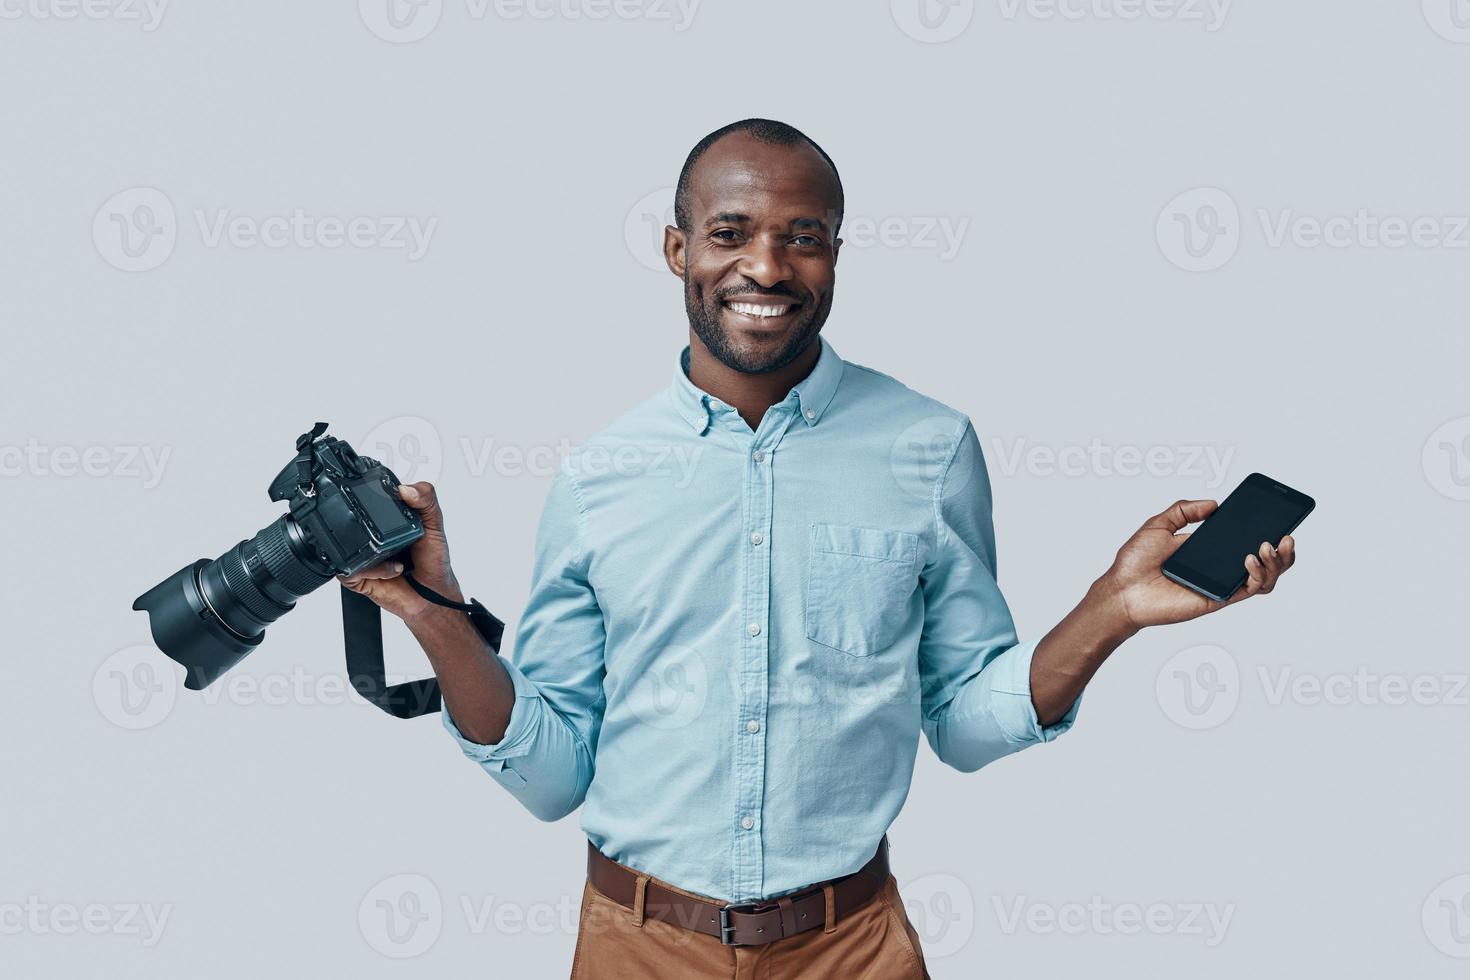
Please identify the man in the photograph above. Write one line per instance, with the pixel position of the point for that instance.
(731, 665)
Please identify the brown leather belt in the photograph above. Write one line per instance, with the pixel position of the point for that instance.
(746, 924)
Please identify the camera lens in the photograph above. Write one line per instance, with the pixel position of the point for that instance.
(209, 615)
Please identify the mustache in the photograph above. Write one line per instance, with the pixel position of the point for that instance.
(740, 292)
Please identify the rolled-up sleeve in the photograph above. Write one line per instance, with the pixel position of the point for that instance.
(976, 677)
(545, 757)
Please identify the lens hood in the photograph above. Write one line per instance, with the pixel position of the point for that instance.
(186, 629)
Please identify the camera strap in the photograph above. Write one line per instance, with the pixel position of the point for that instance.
(362, 627)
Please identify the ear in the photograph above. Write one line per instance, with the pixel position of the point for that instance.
(674, 254)
(836, 247)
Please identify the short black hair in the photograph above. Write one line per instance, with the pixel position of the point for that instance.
(765, 130)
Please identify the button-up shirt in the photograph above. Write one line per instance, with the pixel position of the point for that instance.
(734, 637)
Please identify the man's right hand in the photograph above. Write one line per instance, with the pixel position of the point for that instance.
(384, 583)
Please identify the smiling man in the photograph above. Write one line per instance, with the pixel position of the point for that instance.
(729, 670)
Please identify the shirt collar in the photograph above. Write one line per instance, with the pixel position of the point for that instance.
(812, 394)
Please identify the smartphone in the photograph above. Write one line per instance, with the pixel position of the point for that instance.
(1212, 560)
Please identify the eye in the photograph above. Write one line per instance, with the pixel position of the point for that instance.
(807, 241)
(725, 235)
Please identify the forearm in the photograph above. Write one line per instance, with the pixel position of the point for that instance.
(477, 691)
(1068, 656)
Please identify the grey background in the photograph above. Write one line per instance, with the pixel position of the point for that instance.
(1333, 835)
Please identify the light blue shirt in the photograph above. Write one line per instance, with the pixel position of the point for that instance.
(734, 638)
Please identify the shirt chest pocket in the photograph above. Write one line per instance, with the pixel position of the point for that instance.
(858, 586)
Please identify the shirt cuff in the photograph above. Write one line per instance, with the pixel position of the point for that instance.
(1010, 687)
(516, 740)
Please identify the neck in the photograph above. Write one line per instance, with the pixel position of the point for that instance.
(749, 394)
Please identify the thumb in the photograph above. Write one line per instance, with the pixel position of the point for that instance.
(1181, 514)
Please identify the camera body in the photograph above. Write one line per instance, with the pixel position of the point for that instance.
(347, 506)
(345, 516)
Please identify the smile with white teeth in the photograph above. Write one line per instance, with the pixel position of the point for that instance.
(758, 309)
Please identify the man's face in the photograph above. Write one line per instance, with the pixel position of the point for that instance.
(759, 259)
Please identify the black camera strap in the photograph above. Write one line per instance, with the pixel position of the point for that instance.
(362, 627)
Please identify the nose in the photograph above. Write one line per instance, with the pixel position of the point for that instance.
(764, 262)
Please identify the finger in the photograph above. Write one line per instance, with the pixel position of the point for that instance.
(1270, 560)
(1255, 575)
(388, 569)
(1181, 513)
(1287, 550)
(423, 498)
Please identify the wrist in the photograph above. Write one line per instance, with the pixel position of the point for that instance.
(1106, 607)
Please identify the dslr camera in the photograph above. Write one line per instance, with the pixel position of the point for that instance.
(345, 515)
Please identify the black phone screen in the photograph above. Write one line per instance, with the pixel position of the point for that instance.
(1213, 558)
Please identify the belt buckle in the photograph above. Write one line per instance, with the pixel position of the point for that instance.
(727, 929)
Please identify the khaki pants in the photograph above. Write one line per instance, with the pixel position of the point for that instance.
(875, 942)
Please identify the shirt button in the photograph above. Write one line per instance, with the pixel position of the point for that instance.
(759, 455)
(811, 413)
(752, 726)
(747, 823)
(754, 629)
(716, 405)
(756, 538)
